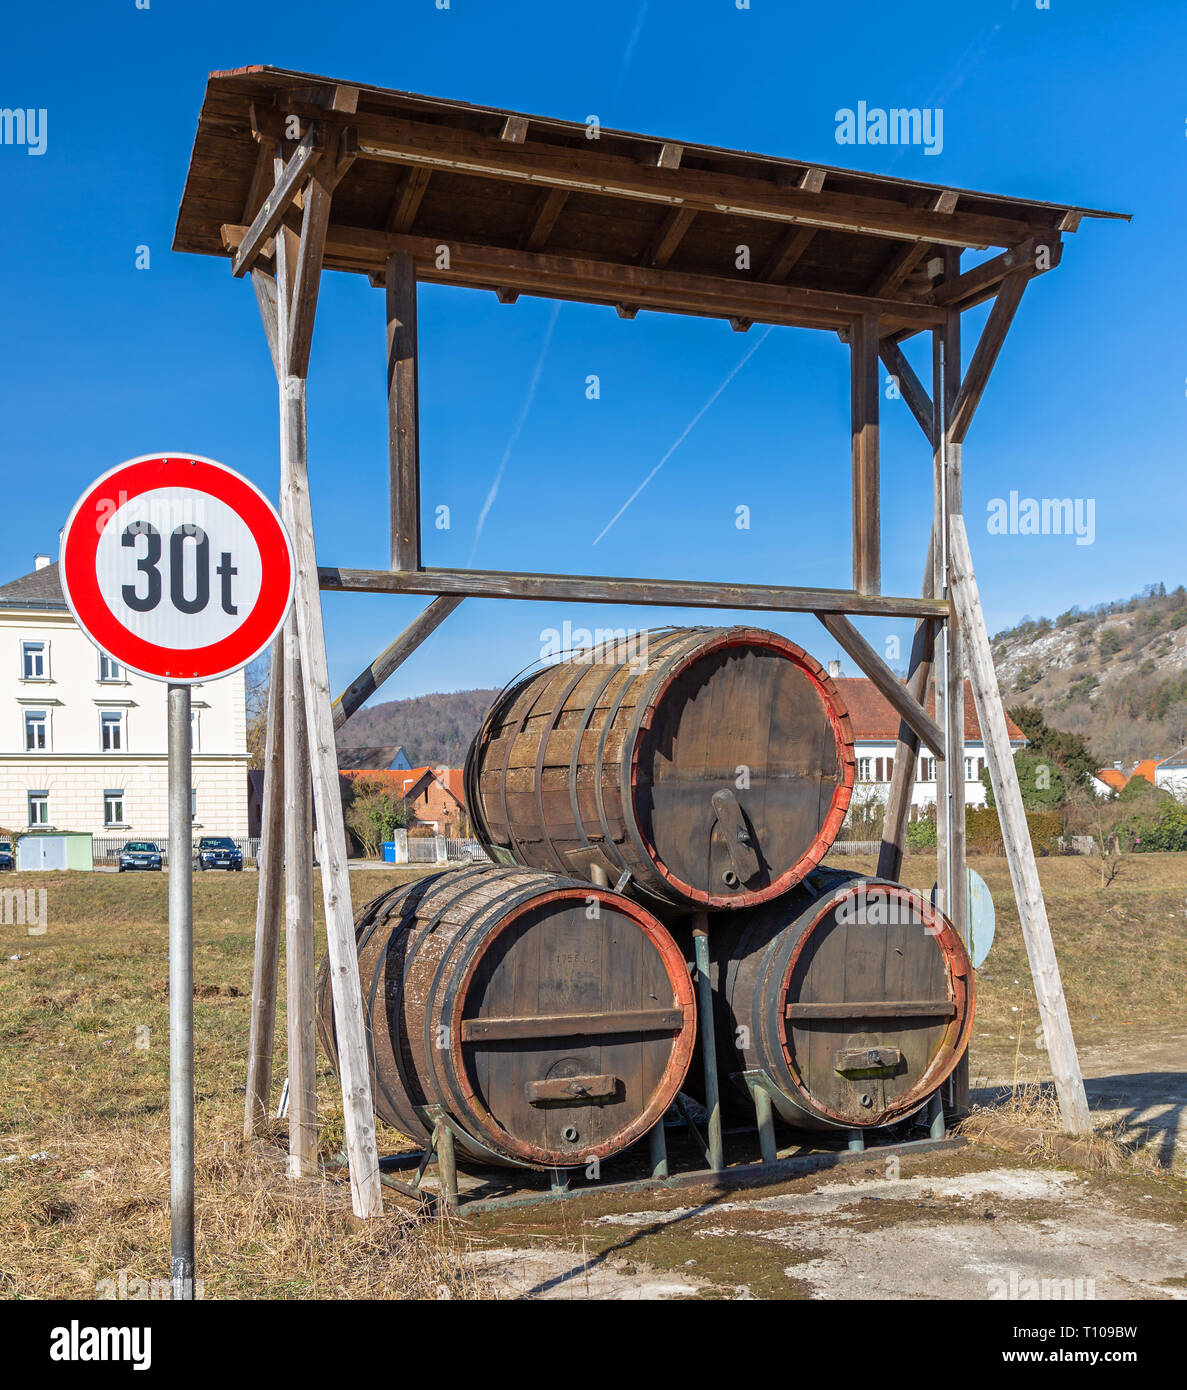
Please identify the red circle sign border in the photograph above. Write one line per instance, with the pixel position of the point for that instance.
(80, 542)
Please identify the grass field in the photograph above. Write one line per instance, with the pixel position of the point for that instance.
(84, 1078)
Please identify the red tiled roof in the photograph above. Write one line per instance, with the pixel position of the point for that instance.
(874, 717)
(413, 780)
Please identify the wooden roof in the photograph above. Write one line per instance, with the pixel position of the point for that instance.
(531, 204)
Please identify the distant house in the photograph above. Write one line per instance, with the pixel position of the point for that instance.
(875, 731)
(1171, 774)
(433, 795)
(384, 758)
(1117, 778)
(82, 739)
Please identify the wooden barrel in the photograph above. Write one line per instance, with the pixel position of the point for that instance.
(851, 998)
(714, 766)
(551, 1022)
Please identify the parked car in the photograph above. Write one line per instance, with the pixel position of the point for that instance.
(219, 852)
(140, 854)
(6, 859)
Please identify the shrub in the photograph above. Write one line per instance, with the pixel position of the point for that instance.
(921, 834)
(1161, 827)
(1029, 675)
(1109, 641)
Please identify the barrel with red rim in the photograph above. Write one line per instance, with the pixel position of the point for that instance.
(548, 1021)
(701, 767)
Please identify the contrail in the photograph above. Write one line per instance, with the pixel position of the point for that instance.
(523, 415)
(688, 429)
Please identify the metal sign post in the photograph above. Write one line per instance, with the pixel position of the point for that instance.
(181, 996)
(179, 569)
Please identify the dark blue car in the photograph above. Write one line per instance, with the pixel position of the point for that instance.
(140, 854)
(6, 860)
(219, 852)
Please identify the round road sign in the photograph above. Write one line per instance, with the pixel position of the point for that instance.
(177, 567)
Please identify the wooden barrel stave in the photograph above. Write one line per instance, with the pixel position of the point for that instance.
(464, 975)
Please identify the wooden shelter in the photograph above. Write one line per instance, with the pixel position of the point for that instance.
(293, 173)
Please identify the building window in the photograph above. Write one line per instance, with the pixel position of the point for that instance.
(929, 770)
(864, 773)
(111, 728)
(193, 731)
(34, 661)
(193, 802)
(969, 775)
(38, 808)
(109, 669)
(113, 808)
(36, 735)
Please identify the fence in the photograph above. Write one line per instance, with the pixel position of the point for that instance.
(105, 849)
(436, 849)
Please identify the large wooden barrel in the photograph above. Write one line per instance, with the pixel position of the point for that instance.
(550, 1021)
(851, 998)
(714, 766)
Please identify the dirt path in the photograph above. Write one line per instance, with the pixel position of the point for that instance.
(972, 1224)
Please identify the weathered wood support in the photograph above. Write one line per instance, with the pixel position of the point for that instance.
(689, 593)
(269, 904)
(391, 659)
(988, 346)
(952, 886)
(867, 522)
(297, 820)
(908, 706)
(1032, 911)
(309, 741)
(902, 777)
(402, 412)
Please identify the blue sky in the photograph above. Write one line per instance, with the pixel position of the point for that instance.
(1081, 103)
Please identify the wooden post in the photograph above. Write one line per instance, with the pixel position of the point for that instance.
(949, 684)
(1032, 911)
(298, 918)
(402, 412)
(265, 967)
(297, 301)
(902, 778)
(863, 352)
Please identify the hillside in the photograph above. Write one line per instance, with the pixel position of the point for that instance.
(435, 729)
(1117, 673)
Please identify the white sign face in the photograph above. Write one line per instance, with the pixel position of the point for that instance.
(177, 567)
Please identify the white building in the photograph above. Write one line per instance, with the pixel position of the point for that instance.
(82, 741)
(1171, 774)
(875, 733)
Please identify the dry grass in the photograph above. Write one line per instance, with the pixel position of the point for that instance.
(84, 1043)
(78, 1089)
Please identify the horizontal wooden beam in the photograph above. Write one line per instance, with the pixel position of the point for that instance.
(909, 710)
(279, 199)
(537, 161)
(667, 593)
(596, 281)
